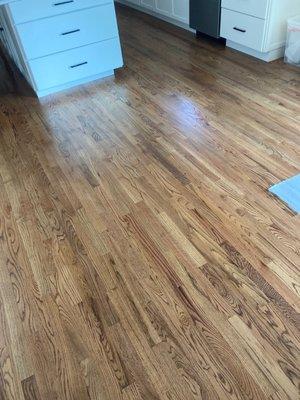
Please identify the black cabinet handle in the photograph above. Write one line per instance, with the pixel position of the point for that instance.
(239, 29)
(78, 65)
(69, 32)
(63, 2)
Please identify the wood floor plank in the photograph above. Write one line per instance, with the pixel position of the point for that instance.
(141, 255)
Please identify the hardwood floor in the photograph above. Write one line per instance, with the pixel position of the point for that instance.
(141, 256)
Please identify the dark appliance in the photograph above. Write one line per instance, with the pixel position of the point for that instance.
(205, 16)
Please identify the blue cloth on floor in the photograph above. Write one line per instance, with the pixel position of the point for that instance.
(289, 192)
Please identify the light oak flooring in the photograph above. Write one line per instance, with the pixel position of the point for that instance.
(141, 256)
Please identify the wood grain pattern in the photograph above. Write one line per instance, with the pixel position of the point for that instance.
(141, 256)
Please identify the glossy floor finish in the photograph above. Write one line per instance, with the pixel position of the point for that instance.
(141, 254)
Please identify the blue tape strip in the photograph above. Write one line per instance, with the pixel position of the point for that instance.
(289, 192)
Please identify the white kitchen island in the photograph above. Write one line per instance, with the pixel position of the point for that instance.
(57, 44)
(257, 27)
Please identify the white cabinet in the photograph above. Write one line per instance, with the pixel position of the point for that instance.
(257, 27)
(148, 4)
(243, 29)
(30, 10)
(174, 10)
(164, 7)
(67, 31)
(75, 64)
(61, 44)
(181, 10)
(256, 8)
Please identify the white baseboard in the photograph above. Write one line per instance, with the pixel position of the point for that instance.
(268, 56)
(55, 89)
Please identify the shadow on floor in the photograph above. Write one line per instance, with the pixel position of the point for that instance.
(11, 80)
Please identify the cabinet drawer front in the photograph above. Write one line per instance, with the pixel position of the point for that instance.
(243, 29)
(256, 8)
(30, 10)
(75, 64)
(67, 31)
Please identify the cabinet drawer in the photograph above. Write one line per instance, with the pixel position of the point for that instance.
(29, 10)
(67, 31)
(243, 29)
(256, 8)
(75, 64)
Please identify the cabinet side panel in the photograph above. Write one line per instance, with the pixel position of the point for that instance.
(280, 11)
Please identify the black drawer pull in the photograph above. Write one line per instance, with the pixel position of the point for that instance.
(239, 29)
(69, 32)
(78, 65)
(63, 2)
